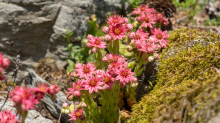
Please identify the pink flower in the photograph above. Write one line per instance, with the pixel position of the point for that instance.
(75, 114)
(93, 84)
(8, 117)
(95, 42)
(124, 75)
(148, 47)
(115, 57)
(39, 92)
(115, 20)
(148, 20)
(161, 37)
(108, 80)
(23, 97)
(139, 10)
(140, 35)
(53, 89)
(118, 31)
(86, 70)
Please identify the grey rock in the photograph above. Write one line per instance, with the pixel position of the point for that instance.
(215, 119)
(32, 117)
(34, 28)
(54, 107)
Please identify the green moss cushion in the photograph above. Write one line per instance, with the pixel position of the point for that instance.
(188, 84)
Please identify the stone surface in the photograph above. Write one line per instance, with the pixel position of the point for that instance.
(32, 117)
(34, 28)
(54, 107)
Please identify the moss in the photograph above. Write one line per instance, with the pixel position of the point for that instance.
(188, 84)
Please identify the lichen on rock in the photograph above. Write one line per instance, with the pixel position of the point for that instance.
(188, 81)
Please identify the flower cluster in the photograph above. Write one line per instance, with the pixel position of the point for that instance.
(24, 98)
(112, 71)
(4, 63)
(92, 79)
(8, 117)
(75, 111)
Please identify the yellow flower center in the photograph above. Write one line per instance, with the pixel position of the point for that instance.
(92, 83)
(115, 20)
(146, 19)
(86, 70)
(142, 8)
(97, 42)
(115, 58)
(43, 88)
(159, 36)
(137, 36)
(124, 73)
(77, 87)
(117, 30)
(106, 79)
(78, 114)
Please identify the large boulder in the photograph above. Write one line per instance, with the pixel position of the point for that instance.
(34, 28)
(187, 83)
(32, 117)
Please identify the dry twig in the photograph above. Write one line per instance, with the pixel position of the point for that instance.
(14, 75)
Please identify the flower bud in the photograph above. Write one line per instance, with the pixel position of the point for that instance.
(156, 55)
(90, 52)
(73, 74)
(126, 20)
(63, 111)
(16, 99)
(94, 49)
(84, 104)
(130, 27)
(105, 59)
(135, 24)
(65, 105)
(158, 47)
(5, 63)
(76, 102)
(138, 19)
(76, 93)
(135, 84)
(131, 35)
(70, 97)
(53, 89)
(67, 111)
(105, 29)
(78, 65)
(165, 22)
(85, 41)
(108, 37)
(129, 48)
(72, 107)
(150, 58)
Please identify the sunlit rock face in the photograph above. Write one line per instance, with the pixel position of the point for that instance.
(34, 28)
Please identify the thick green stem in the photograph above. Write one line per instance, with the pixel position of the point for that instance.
(116, 46)
(23, 116)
